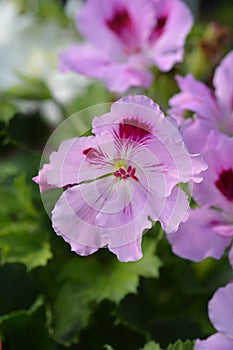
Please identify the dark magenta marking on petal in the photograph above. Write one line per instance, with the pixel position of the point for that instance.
(87, 150)
(225, 183)
(120, 23)
(134, 130)
(159, 28)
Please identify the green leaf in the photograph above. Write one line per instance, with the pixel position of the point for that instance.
(35, 306)
(25, 329)
(151, 345)
(22, 238)
(85, 282)
(179, 345)
(108, 347)
(30, 89)
(24, 243)
(7, 111)
(121, 278)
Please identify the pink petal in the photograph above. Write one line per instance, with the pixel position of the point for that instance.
(129, 252)
(224, 89)
(196, 97)
(69, 165)
(195, 239)
(84, 59)
(119, 77)
(42, 179)
(218, 159)
(214, 342)
(166, 148)
(221, 311)
(93, 215)
(128, 108)
(168, 49)
(195, 134)
(125, 216)
(79, 249)
(175, 210)
(74, 217)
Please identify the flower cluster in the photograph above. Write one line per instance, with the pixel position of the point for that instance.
(209, 229)
(124, 176)
(209, 132)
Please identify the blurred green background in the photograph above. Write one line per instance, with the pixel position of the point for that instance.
(50, 298)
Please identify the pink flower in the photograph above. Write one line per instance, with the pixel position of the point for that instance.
(126, 37)
(209, 230)
(221, 315)
(116, 182)
(213, 110)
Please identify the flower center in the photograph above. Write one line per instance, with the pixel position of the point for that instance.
(225, 183)
(125, 174)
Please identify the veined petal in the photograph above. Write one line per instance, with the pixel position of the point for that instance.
(74, 216)
(129, 252)
(160, 136)
(72, 163)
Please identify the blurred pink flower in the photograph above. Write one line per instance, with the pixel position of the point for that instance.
(116, 182)
(209, 230)
(221, 315)
(213, 109)
(125, 38)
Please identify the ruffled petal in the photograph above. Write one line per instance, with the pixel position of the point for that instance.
(221, 311)
(129, 252)
(195, 239)
(74, 216)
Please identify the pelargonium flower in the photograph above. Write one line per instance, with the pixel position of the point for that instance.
(126, 37)
(120, 179)
(209, 229)
(221, 315)
(213, 109)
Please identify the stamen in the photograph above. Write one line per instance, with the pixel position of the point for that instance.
(125, 174)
